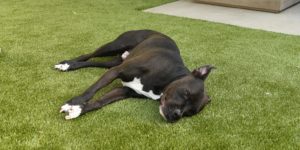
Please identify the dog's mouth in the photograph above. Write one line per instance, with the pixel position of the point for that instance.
(161, 105)
(164, 111)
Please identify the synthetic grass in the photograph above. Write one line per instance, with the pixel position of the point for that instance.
(255, 90)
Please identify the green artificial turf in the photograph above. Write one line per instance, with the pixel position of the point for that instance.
(255, 90)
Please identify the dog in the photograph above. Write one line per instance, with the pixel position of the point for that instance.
(150, 66)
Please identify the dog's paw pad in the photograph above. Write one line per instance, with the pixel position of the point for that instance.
(62, 67)
(73, 112)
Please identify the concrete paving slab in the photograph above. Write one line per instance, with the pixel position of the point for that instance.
(287, 22)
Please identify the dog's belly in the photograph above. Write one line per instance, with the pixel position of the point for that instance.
(137, 86)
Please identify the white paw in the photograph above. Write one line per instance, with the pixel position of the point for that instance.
(62, 67)
(125, 55)
(73, 111)
(65, 108)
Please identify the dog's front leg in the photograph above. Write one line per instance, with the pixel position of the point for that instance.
(74, 106)
(112, 96)
(116, 94)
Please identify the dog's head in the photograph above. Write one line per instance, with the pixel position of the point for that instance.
(185, 96)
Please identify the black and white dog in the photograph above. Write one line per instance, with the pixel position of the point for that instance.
(149, 65)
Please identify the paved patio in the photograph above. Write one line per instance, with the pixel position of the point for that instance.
(287, 22)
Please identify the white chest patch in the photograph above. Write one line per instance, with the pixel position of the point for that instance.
(137, 86)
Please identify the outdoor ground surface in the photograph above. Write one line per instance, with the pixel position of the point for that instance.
(255, 90)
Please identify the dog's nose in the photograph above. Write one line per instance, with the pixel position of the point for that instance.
(174, 116)
(170, 115)
(177, 114)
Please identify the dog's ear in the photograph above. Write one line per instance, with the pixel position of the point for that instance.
(203, 71)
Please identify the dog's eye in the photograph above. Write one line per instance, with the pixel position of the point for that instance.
(186, 94)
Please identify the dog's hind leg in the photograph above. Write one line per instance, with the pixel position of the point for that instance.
(84, 64)
(110, 49)
(125, 42)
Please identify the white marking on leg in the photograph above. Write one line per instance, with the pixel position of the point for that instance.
(62, 67)
(161, 112)
(137, 86)
(125, 55)
(74, 112)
